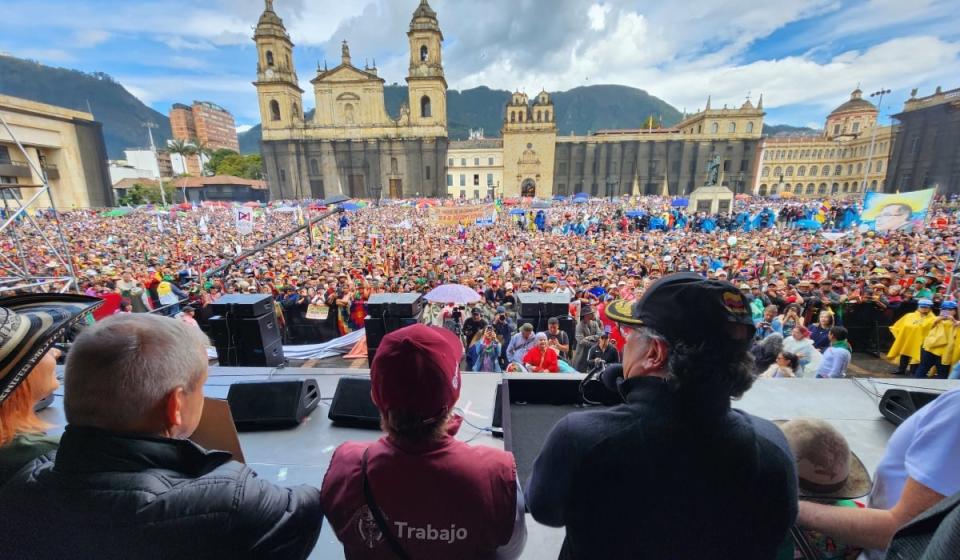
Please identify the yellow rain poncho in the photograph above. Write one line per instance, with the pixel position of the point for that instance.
(909, 333)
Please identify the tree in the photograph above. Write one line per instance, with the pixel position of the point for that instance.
(141, 193)
(203, 151)
(248, 167)
(216, 158)
(183, 149)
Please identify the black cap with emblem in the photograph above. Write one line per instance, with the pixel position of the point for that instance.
(686, 307)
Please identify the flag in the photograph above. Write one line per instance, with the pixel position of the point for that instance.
(179, 231)
(300, 220)
(244, 220)
(203, 225)
(159, 225)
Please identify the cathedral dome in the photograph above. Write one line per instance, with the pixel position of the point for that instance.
(856, 104)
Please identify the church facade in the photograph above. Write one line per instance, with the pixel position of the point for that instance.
(351, 145)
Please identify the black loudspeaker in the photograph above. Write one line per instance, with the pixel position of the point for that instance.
(247, 341)
(376, 329)
(395, 305)
(899, 404)
(243, 305)
(538, 304)
(272, 404)
(258, 331)
(352, 405)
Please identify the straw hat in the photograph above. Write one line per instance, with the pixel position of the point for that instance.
(826, 467)
(29, 326)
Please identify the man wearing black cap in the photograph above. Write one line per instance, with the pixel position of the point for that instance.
(674, 472)
(473, 325)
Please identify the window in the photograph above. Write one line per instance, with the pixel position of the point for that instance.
(490, 161)
(749, 127)
(463, 180)
(428, 172)
(450, 162)
(744, 165)
(295, 110)
(513, 116)
(765, 172)
(424, 53)
(790, 154)
(476, 180)
(476, 162)
(314, 167)
(283, 176)
(476, 193)
(4, 155)
(546, 116)
(394, 165)
(726, 166)
(269, 58)
(274, 110)
(850, 169)
(714, 128)
(813, 171)
(778, 172)
(578, 168)
(879, 166)
(836, 131)
(846, 187)
(489, 179)
(463, 193)
(856, 127)
(539, 116)
(449, 180)
(425, 111)
(825, 171)
(463, 162)
(859, 168)
(732, 127)
(838, 170)
(562, 168)
(790, 171)
(801, 171)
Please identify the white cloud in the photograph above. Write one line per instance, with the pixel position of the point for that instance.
(88, 38)
(178, 43)
(598, 16)
(244, 128)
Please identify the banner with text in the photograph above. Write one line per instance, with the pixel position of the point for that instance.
(244, 219)
(455, 215)
(890, 212)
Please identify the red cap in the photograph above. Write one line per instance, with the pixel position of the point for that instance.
(417, 371)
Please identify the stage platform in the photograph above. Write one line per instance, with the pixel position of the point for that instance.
(301, 455)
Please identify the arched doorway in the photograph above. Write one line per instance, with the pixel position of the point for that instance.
(528, 188)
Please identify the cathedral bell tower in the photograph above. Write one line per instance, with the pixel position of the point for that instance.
(280, 96)
(426, 83)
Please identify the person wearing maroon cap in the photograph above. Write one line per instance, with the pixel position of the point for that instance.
(418, 492)
(674, 472)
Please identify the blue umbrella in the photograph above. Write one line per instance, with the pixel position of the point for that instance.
(580, 200)
(680, 202)
(517, 212)
(351, 207)
(559, 197)
(582, 195)
(809, 224)
(634, 213)
(540, 204)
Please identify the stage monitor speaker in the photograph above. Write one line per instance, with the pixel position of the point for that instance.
(258, 331)
(352, 405)
(243, 305)
(247, 341)
(538, 304)
(376, 328)
(899, 404)
(272, 404)
(380, 306)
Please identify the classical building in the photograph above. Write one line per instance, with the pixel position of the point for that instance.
(849, 157)
(351, 145)
(538, 162)
(926, 151)
(475, 168)
(66, 145)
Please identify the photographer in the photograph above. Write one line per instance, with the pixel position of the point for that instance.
(603, 352)
(587, 334)
(473, 325)
(504, 327)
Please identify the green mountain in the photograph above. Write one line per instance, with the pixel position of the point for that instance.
(787, 130)
(121, 113)
(579, 110)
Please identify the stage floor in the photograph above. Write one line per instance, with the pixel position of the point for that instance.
(301, 455)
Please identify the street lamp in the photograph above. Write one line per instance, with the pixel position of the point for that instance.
(873, 135)
(153, 148)
(377, 189)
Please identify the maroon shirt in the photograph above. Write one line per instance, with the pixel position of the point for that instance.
(444, 499)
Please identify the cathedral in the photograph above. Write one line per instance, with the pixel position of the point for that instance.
(351, 145)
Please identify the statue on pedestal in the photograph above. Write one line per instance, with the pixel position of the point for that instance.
(713, 172)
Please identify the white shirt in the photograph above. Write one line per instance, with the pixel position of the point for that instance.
(926, 448)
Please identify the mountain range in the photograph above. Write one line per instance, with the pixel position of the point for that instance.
(578, 111)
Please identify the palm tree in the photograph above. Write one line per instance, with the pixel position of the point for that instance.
(203, 151)
(184, 150)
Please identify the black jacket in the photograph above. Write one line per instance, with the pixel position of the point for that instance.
(932, 535)
(107, 495)
(656, 478)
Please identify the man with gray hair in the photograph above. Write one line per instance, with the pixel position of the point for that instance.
(127, 482)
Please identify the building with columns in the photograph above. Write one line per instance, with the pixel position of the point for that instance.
(352, 145)
(848, 158)
(926, 151)
(652, 160)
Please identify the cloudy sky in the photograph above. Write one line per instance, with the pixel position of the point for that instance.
(805, 56)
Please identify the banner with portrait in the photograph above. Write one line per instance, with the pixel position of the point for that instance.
(893, 212)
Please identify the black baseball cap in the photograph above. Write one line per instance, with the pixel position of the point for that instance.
(685, 307)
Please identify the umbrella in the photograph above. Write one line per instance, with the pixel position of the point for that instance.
(582, 195)
(351, 207)
(517, 212)
(559, 197)
(580, 201)
(634, 213)
(680, 202)
(541, 204)
(252, 204)
(809, 224)
(453, 293)
(335, 199)
(742, 196)
(511, 201)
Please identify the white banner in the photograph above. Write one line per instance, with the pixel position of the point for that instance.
(244, 219)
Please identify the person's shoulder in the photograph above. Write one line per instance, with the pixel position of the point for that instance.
(769, 437)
